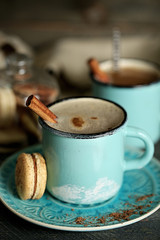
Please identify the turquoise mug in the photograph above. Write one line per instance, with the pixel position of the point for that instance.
(87, 166)
(142, 102)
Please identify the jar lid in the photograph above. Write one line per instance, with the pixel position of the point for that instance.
(18, 60)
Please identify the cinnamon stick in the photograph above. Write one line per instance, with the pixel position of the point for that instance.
(39, 108)
(98, 73)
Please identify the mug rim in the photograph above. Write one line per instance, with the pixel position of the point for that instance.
(154, 64)
(80, 135)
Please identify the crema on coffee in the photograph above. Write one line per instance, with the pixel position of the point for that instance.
(86, 115)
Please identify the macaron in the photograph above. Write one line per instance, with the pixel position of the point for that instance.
(30, 176)
(7, 107)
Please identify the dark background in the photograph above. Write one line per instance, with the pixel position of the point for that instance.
(39, 21)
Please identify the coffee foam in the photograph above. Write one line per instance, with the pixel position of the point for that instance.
(86, 116)
(131, 72)
(131, 63)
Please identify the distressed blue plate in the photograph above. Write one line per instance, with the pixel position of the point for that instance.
(138, 198)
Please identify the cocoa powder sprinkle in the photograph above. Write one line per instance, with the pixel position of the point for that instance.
(144, 197)
(121, 215)
(77, 121)
(102, 219)
(94, 118)
(80, 220)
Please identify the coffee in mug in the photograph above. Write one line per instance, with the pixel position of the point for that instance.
(136, 87)
(86, 116)
(133, 75)
(85, 152)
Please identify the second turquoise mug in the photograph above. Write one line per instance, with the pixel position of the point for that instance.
(88, 168)
(142, 103)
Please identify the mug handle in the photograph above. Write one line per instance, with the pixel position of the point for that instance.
(143, 160)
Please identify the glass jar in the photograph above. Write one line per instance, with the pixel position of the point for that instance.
(12, 136)
(7, 101)
(28, 80)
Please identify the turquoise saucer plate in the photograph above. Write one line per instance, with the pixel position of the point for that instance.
(138, 198)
